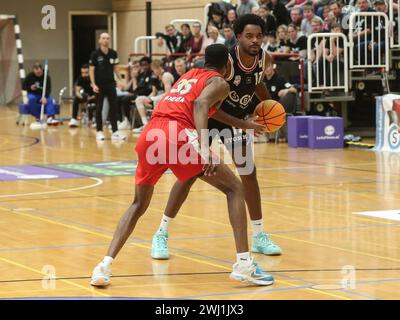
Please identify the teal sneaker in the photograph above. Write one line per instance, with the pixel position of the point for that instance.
(250, 272)
(159, 246)
(262, 243)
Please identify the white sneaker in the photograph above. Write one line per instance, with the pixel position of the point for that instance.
(249, 271)
(123, 125)
(118, 136)
(52, 121)
(73, 123)
(101, 276)
(138, 130)
(100, 136)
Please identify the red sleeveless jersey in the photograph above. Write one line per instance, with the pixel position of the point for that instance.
(178, 103)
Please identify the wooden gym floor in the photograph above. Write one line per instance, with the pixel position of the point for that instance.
(62, 227)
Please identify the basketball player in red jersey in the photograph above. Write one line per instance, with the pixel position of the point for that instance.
(246, 68)
(176, 138)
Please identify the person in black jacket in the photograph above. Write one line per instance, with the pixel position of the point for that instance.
(33, 84)
(280, 12)
(173, 39)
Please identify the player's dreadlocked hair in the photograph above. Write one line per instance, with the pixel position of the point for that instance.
(246, 19)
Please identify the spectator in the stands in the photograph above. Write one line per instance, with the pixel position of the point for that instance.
(247, 6)
(283, 42)
(197, 39)
(179, 69)
(33, 84)
(143, 85)
(271, 43)
(161, 82)
(280, 12)
(282, 91)
(213, 38)
(296, 17)
(362, 32)
(173, 39)
(309, 15)
(217, 19)
(230, 39)
(231, 16)
(333, 55)
(377, 43)
(326, 24)
(187, 39)
(125, 100)
(336, 16)
(270, 22)
(297, 42)
(316, 51)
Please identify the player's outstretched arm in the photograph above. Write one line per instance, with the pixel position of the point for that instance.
(226, 118)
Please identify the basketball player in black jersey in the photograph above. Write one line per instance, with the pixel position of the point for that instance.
(245, 75)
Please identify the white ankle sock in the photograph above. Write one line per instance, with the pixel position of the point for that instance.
(243, 257)
(107, 261)
(144, 120)
(164, 223)
(258, 226)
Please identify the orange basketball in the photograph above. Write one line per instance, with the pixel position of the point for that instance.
(271, 114)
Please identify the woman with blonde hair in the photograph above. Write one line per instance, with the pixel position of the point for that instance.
(283, 39)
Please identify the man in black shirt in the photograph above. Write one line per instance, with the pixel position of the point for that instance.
(282, 91)
(102, 69)
(83, 94)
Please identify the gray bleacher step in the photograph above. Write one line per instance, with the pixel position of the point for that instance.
(333, 96)
(362, 75)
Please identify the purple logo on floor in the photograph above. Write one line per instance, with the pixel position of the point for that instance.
(14, 173)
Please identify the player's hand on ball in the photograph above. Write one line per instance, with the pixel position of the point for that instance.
(257, 127)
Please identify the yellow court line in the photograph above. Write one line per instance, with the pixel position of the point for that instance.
(43, 274)
(148, 247)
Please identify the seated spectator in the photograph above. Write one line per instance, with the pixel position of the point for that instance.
(270, 22)
(325, 19)
(362, 33)
(231, 17)
(296, 16)
(33, 84)
(334, 58)
(179, 69)
(283, 42)
(377, 44)
(297, 42)
(271, 43)
(319, 7)
(196, 40)
(213, 38)
(173, 39)
(217, 19)
(280, 12)
(83, 94)
(143, 86)
(161, 82)
(230, 38)
(336, 16)
(126, 96)
(282, 91)
(187, 38)
(309, 15)
(246, 7)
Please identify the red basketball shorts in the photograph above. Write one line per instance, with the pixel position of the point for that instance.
(166, 144)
